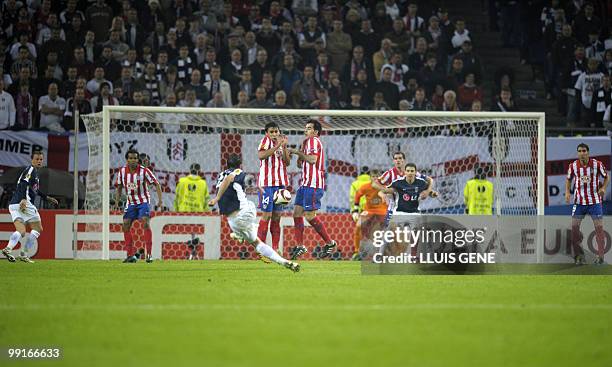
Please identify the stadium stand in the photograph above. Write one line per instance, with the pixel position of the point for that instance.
(539, 54)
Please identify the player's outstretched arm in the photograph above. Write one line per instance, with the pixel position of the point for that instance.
(429, 190)
(304, 157)
(387, 190)
(53, 200)
(376, 185)
(46, 197)
(222, 188)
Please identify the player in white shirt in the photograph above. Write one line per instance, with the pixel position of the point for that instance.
(241, 213)
(52, 108)
(23, 212)
(7, 108)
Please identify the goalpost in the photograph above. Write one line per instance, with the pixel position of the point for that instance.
(447, 146)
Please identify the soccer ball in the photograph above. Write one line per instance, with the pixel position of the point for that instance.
(282, 197)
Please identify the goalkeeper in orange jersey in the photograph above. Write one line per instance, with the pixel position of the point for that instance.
(372, 217)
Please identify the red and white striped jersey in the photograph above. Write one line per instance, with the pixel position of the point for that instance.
(586, 181)
(389, 176)
(136, 184)
(313, 174)
(272, 170)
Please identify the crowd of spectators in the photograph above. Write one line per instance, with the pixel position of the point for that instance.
(569, 44)
(58, 56)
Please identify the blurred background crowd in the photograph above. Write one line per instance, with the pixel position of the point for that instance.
(58, 56)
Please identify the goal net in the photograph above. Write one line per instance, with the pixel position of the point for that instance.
(447, 146)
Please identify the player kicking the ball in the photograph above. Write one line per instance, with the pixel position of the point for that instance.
(241, 213)
(308, 197)
(273, 160)
(23, 212)
(136, 180)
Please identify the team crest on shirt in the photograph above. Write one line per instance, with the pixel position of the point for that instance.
(585, 179)
(448, 189)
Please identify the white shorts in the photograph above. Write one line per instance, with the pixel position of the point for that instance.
(30, 214)
(243, 222)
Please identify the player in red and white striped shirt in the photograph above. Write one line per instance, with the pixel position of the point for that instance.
(273, 161)
(308, 196)
(136, 180)
(588, 195)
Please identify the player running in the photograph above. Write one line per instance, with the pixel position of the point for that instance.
(136, 180)
(241, 213)
(273, 161)
(308, 197)
(23, 212)
(408, 193)
(588, 195)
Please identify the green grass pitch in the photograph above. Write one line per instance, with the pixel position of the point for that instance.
(247, 313)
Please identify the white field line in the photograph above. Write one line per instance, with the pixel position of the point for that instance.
(292, 307)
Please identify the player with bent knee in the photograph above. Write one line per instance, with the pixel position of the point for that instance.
(23, 212)
(241, 213)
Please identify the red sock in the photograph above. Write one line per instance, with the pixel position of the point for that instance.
(576, 240)
(320, 228)
(148, 240)
(262, 230)
(275, 231)
(413, 250)
(127, 238)
(298, 223)
(601, 240)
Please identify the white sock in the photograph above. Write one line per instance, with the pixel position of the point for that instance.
(269, 252)
(24, 241)
(15, 237)
(29, 242)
